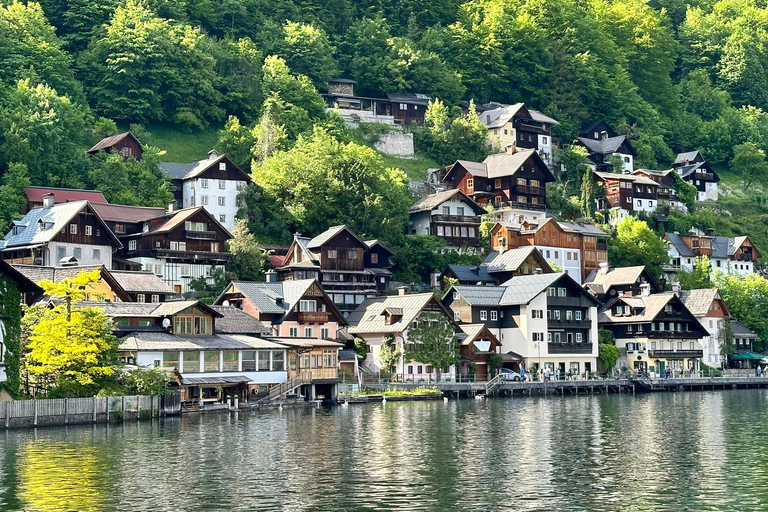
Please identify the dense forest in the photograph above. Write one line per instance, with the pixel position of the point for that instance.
(674, 75)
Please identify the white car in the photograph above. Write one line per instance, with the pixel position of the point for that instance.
(507, 374)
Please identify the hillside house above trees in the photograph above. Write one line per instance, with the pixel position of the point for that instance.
(692, 167)
(513, 182)
(607, 283)
(450, 215)
(213, 183)
(337, 259)
(518, 126)
(576, 248)
(60, 234)
(601, 142)
(729, 255)
(625, 193)
(666, 193)
(124, 144)
(396, 108)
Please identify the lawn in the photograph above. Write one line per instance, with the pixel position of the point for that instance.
(415, 168)
(180, 146)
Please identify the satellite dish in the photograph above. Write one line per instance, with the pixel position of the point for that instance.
(166, 322)
(225, 303)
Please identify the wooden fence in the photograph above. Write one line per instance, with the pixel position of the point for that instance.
(66, 411)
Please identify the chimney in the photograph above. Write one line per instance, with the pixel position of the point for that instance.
(296, 236)
(676, 288)
(603, 267)
(271, 276)
(645, 289)
(213, 154)
(538, 271)
(603, 134)
(710, 232)
(49, 200)
(510, 149)
(502, 245)
(402, 290)
(171, 206)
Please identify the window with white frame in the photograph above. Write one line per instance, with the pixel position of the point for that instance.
(307, 305)
(131, 245)
(73, 229)
(222, 184)
(494, 315)
(222, 218)
(221, 201)
(325, 333)
(293, 332)
(579, 337)
(577, 315)
(155, 299)
(307, 332)
(457, 316)
(203, 182)
(141, 297)
(204, 200)
(88, 230)
(483, 315)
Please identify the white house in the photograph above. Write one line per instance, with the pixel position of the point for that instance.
(518, 126)
(213, 183)
(546, 320)
(450, 215)
(711, 312)
(57, 234)
(729, 255)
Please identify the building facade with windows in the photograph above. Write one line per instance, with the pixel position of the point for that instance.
(623, 194)
(339, 260)
(692, 167)
(546, 320)
(729, 255)
(214, 183)
(710, 310)
(513, 182)
(290, 309)
(577, 248)
(60, 234)
(451, 216)
(654, 332)
(519, 126)
(602, 142)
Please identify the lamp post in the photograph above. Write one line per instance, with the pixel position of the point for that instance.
(538, 348)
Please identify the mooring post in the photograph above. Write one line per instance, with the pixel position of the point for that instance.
(66, 411)
(34, 418)
(94, 409)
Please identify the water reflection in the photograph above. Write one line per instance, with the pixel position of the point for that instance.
(675, 451)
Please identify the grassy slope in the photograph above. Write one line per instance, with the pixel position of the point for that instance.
(179, 146)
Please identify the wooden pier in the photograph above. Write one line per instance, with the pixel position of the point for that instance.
(586, 387)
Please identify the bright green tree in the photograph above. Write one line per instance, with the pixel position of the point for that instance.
(607, 356)
(321, 182)
(588, 194)
(726, 341)
(248, 258)
(634, 243)
(307, 51)
(433, 341)
(749, 162)
(69, 346)
(699, 277)
(747, 299)
(132, 182)
(12, 197)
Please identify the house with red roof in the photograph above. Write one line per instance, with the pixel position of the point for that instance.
(126, 144)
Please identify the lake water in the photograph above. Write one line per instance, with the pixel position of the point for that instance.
(670, 451)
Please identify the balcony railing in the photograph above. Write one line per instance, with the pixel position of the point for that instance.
(192, 255)
(688, 353)
(564, 301)
(313, 316)
(572, 324)
(569, 348)
(463, 219)
(671, 268)
(704, 176)
(744, 257)
(201, 235)
(522, 206)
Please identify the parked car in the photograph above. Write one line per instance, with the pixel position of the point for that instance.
(507, 374)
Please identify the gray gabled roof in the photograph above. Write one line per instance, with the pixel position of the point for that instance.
(677, 242)
(328, 234)
(603, 146)
(505, 164)
(741, 330)
(479, 295)
(369, 317)
(510, 260)
(141, 282)
(523, 289)
(55, 219)
(236, 321)
(175, 170)
(699, 301)
(541, 118)
(688, 156)
(433, 201)
(498, 117)
(470, 273)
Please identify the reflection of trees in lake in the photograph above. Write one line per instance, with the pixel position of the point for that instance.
(73, 479)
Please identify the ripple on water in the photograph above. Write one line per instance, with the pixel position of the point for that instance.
(676, 451)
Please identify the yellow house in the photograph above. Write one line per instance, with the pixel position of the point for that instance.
(107, 289)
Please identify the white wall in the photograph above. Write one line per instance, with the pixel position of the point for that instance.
(545, 147)
(710, 343)
(559, 256)
(712, 192)
(628, 162)
(148, 358)
(175, 273)
(195, 194)
(513, 214)
(645, 205)
(86, 254)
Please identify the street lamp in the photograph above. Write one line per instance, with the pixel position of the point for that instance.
(538, 347)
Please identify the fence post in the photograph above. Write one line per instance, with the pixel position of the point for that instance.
(106, 398)
(7, 414)
(138, 415)
(34, 417)
(151, 406)
(66, 411)
(122, 407)
(94, 409)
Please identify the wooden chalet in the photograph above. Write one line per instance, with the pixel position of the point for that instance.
(126, 144)
(378, 261)
(692, 167)
(601, 141)
(477, 343)
(450, 215)
(607, 283)
(515, 180)
(337, 259)
(628, 192)
(666, 194)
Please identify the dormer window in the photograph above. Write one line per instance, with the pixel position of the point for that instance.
(197, 323)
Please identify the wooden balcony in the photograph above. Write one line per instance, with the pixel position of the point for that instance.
(201, 235)
(461, 219)
(522, 206)
(564, 301)
(569, 348)
(309, 317)
(191, 256)
(570, 324)
(675, 354)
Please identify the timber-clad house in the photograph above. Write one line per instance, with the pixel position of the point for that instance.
(513, 182)
(337, 258)
(449, 215)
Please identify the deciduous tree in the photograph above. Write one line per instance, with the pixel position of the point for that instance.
(433, 341)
